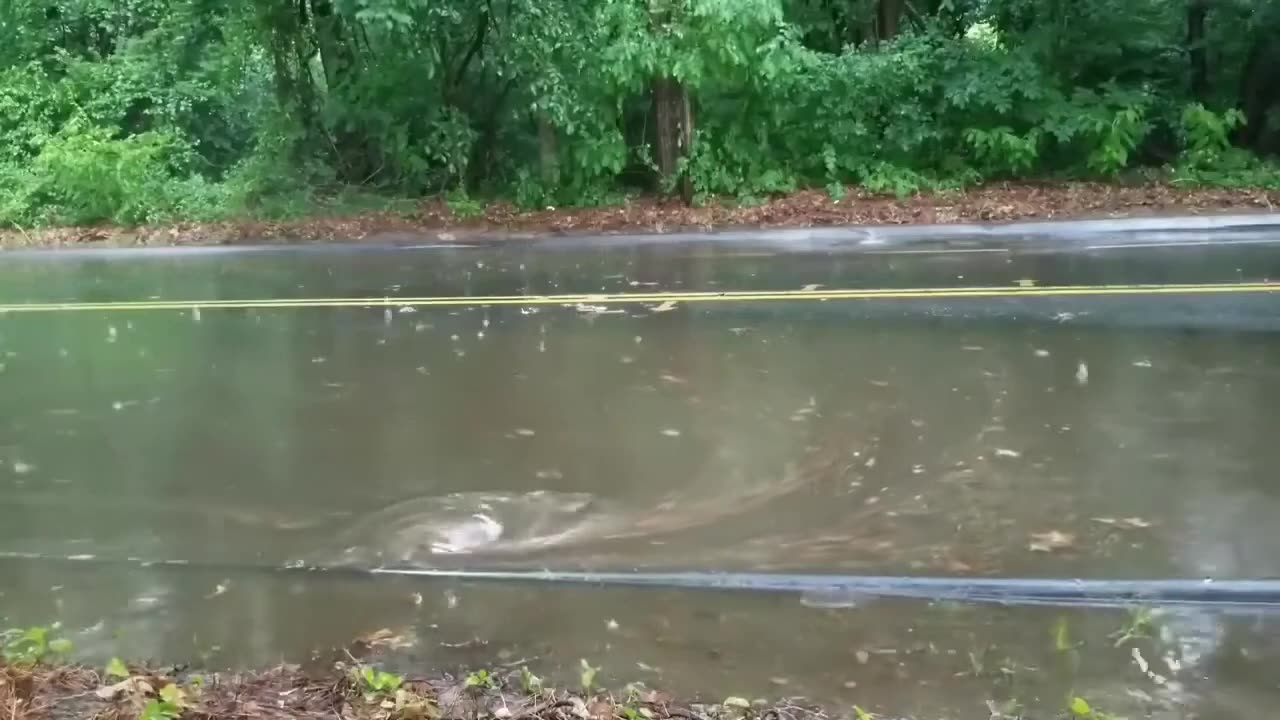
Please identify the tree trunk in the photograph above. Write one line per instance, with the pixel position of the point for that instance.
(1260, 91)
(337, 56)
(889, 18)
(674, 129)
(1196, 12)
(548, 152)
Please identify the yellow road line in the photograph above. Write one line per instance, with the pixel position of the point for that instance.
(656, 297)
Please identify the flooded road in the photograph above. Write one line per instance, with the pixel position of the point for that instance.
(408, 421)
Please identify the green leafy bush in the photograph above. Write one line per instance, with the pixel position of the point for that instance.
(155, 109)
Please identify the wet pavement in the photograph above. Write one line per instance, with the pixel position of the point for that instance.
(1016, 432)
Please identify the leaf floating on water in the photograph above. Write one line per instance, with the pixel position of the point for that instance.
(1132, 523)
(1051, 541)
(385, 638)
(1139, 660)
(666, 306)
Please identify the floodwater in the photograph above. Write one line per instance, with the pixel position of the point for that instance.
(1057, 436)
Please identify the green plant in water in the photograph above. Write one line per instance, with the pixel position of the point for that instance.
(1081, 710)
(1140, 626)
(587, 676)
(33, 645)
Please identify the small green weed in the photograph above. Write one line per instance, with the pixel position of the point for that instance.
(531, 684)
(481, 679)
(1081, 710)
(117, 669)
(463, 205)
(34, 645)
(376, 684)
(167, 705)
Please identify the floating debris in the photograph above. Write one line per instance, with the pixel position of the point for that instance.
(1131, 523)
(1051, 541)
(666, 306)
(1144, 363)
(195, 313)
(525, 432)
(1006, 452)
(1041, 353)
(671, 432)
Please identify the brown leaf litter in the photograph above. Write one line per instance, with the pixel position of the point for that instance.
(433, 219)
(46, 692)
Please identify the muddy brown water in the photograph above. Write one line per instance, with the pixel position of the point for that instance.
(1108, 437)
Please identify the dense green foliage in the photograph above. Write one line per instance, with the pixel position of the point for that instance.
(140, 110)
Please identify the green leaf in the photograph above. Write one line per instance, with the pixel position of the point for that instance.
(60, 646)
(173, 695)
(117, 669)
(587, 675)
(1080, 708)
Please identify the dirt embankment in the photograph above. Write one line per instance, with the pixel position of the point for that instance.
(809, 208)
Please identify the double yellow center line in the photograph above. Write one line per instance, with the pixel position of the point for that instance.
(660, 298)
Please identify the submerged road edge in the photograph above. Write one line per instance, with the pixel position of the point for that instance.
(847, 590)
